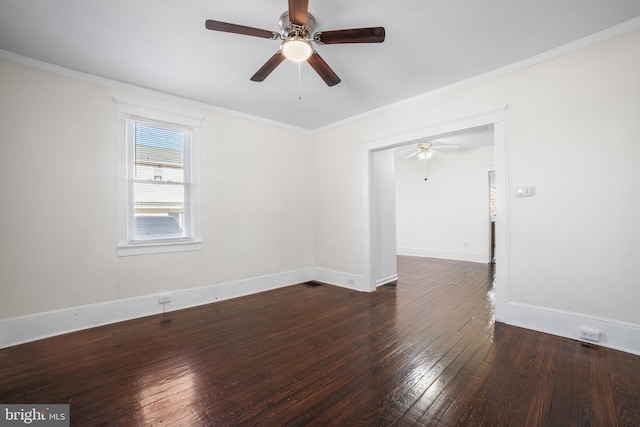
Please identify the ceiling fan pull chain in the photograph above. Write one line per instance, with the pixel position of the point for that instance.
(299, 81)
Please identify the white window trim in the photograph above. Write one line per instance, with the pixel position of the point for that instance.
(128, 110)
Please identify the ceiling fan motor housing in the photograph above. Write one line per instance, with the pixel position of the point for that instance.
(288, 29)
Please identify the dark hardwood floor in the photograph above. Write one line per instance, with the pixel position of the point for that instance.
(425, 353)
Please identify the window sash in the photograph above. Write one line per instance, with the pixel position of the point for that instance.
(154, 228)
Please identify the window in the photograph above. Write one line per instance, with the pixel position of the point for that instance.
(159, 188)
(158, 180)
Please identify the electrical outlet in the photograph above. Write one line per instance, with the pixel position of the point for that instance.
(587, 334)
(164, 299)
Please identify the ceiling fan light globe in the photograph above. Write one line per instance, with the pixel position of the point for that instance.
(425, 154)
(296, 49)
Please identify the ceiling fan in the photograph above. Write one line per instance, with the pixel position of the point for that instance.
(297, 27)
(426, 150)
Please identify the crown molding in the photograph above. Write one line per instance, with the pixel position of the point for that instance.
(625, 27)
(116, 84)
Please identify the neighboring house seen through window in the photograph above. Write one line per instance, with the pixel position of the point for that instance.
(159, 185)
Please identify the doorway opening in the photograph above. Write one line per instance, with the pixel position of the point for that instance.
(493, 211)
(441, 198)
(380, 228)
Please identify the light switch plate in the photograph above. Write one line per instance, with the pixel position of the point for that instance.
(526, 191)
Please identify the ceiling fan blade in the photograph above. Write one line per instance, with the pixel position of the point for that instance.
(353, 35)
(240, 29)
(268, 67)
(415, 153)
(298, 10)
(323, 69)
(446, 147)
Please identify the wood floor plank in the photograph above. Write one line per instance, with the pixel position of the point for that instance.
(625, 382)
(426, 352)
(455, 381)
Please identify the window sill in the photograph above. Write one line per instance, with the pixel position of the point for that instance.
(159, 248)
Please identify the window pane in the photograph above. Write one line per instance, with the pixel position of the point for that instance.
(158, 185)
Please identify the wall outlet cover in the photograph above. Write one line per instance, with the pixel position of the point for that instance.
(588, 334)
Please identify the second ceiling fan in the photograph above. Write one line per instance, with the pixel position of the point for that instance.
(297, 28)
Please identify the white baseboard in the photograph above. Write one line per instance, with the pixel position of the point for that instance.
(18, 330)
(480, 257)
(613, 334)
(385, 280)
(339, 278)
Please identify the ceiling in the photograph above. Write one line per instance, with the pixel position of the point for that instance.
(163, 45)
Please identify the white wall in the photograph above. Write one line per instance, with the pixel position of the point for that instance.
(337, 199)
(446, 216)
(384, 259)
(572, 131)
(58, 189)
